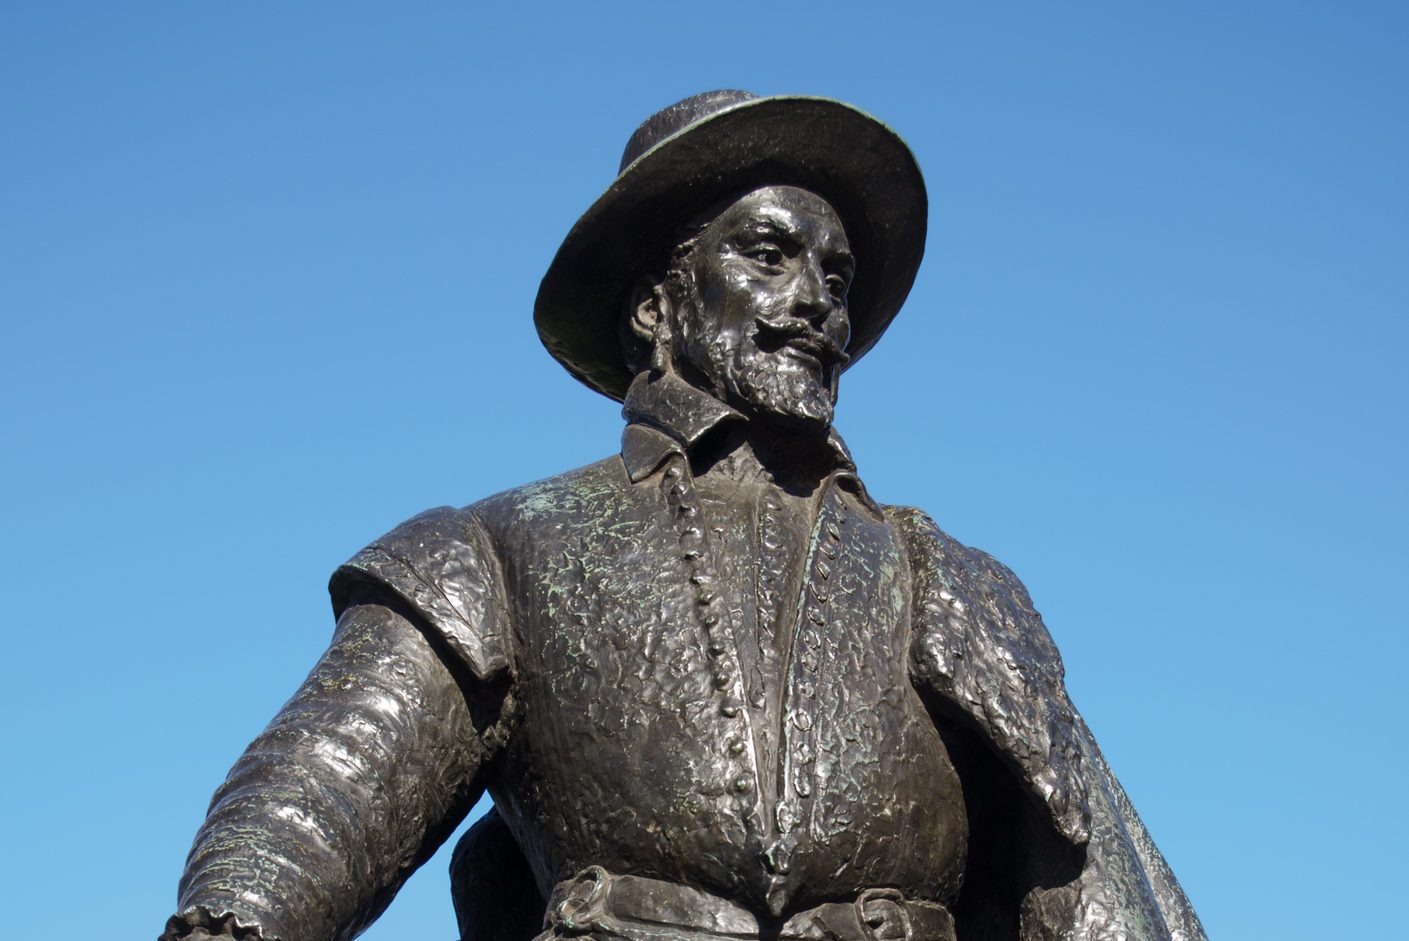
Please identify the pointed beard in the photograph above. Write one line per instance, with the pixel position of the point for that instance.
(781, 389)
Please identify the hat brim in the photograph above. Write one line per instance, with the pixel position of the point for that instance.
(844, 155)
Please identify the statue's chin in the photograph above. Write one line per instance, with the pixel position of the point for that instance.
(795, 404)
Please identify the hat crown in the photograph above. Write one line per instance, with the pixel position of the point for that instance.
(674, 119)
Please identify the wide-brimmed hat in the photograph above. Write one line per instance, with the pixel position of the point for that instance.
(690, 156)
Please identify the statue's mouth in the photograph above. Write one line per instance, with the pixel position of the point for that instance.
(800, 340)
(803, 353)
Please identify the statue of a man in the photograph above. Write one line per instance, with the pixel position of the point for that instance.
(715, 689)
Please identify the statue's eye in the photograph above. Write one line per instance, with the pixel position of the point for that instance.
(836, 286)
(769, 255)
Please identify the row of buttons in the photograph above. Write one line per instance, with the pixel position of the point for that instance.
(680, 496)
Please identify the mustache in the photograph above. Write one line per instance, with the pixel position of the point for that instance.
(776, 332)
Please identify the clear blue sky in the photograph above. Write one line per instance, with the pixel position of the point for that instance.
(266, 273)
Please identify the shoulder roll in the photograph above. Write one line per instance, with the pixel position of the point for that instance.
(443, 565)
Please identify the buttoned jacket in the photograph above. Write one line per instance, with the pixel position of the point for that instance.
(921, 738)
(599, 593)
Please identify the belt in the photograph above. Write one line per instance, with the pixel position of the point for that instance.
(633, 908)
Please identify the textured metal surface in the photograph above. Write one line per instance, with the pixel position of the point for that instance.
(355, 783)
(637, 745)
(714, 688)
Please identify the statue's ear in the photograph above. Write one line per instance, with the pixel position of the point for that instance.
(648, 310)
(645, 331)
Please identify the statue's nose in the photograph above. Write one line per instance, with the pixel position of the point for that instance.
(811, 299)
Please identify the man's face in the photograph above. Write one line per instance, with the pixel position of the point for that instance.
(763, 323)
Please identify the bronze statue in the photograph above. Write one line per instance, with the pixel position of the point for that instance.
(715, 689)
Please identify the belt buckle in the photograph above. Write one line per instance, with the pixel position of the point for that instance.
(581, 909)
(883, 915)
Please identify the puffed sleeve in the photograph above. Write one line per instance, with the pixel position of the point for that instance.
(376, 758)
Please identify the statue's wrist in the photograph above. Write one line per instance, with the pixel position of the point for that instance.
(200, 923)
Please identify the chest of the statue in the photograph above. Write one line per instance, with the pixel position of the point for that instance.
(716, 691)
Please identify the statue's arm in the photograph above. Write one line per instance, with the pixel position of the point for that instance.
(377, 757)
(355, 783)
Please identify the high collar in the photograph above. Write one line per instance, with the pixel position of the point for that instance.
(666, 415)
(669, 404)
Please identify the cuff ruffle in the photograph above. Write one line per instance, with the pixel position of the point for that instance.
(216, 924)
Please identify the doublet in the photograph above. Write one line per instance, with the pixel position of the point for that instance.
(646, 740)
(695, 691)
